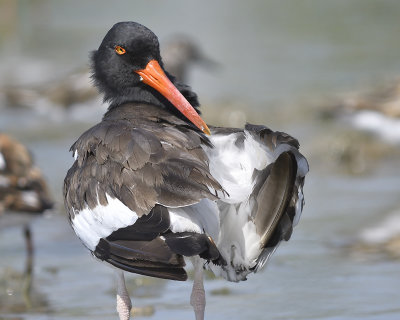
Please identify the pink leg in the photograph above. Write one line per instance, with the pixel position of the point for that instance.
(124, 304)
(198, 297)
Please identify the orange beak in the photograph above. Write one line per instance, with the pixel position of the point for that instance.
(155, 77)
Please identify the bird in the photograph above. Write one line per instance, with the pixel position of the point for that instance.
(375, 110)
(24, 193)
(152, 186)
(180, 53)
(73, 90)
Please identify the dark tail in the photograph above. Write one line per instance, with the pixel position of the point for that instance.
(150, 258)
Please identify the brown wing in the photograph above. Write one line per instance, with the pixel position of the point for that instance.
(140, 163)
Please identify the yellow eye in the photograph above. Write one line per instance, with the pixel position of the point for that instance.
(119, 50)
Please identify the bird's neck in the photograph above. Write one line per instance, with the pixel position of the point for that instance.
(144, 94)
(138, 94)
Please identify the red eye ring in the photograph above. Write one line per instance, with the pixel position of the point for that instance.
(120, 50)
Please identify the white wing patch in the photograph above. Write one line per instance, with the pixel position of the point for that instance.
(91, 225)
(233, 166)
(200, 217)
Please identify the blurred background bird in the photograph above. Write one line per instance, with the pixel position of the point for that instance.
(24, 193)
(181, 53)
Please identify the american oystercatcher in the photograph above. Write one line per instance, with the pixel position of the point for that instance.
(152, 184)
(23, 190)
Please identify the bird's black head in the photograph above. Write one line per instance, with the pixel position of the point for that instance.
(126, 48)
(127, 67)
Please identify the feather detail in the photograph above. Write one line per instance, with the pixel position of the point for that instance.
(263, 173)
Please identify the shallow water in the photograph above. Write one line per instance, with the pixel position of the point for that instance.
(299, 52)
